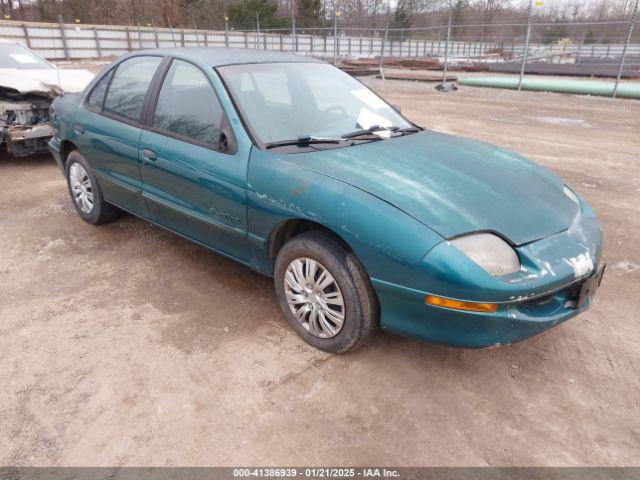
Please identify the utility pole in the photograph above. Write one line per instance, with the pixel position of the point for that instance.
(624, 50)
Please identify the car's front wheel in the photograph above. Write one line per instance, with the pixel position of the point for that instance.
(325, 293)
(85, 191)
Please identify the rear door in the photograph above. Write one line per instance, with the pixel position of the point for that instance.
(193, 177)
(107, 131)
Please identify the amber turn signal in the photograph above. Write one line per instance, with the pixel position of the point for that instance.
(458, 305)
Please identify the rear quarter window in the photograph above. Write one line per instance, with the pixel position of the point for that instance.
(96, 97)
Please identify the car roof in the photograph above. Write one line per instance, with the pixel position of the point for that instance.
(219, 56)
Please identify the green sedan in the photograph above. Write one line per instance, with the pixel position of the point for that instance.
(364, 219)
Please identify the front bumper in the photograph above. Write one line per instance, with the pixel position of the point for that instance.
(544, 293)
(404, 311)
(23, 140)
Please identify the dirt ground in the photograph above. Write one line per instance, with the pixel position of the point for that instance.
(126, 345)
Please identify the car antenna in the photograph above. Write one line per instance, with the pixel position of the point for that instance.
(65, 49)
(59, 81)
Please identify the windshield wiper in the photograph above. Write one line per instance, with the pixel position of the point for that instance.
(406, 130)
(377, 128)
(303, 140)
(367, 131)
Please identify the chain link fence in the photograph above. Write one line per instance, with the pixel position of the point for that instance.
(522, 46)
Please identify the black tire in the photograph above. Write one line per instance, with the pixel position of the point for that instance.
(102, 212)
(361, 313)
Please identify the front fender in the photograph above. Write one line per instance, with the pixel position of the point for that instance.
(389, 243)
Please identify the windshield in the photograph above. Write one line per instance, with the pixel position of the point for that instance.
(13, 55)
(283, 101)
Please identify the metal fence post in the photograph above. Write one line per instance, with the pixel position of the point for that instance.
(63, 36)
(294, 36)
(257, 39)
(335, 37)
(226, 31)
(139, 38)
(195, 27)
(579, 54)
(446, 49)
(155, 33)
(26, 35)
(128, 38)
(384, 41)
(624, 49)
(526, 44)
(173, 38)
(96, 38)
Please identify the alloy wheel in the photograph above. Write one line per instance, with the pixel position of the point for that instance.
(81, 188)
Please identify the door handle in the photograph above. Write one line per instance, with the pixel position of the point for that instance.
(79, 129)
(149, 155)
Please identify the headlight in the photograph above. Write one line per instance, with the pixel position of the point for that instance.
(571, 194)
(490, 252)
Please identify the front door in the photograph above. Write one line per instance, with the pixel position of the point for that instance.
(191, 183)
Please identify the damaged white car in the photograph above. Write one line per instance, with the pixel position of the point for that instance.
(28, 85)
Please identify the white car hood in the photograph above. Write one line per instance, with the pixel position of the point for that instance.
(44, 81)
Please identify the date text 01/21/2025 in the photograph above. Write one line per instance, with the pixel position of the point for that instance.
(316, 472)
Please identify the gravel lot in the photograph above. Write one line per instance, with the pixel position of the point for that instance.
(126, 345)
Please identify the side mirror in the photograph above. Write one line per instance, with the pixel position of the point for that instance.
(223, 143)
(227, 141)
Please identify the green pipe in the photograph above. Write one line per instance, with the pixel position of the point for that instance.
(627, 90)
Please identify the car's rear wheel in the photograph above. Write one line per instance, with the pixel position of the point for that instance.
(324, 293)
(85, 192)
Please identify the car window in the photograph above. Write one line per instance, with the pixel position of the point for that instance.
(272, 85)
(129, 86)
(187, 105)
(96, 97)
(16, 56)
(283, 101)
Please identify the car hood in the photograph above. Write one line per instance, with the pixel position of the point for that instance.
(453, 185)
(44, 82)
